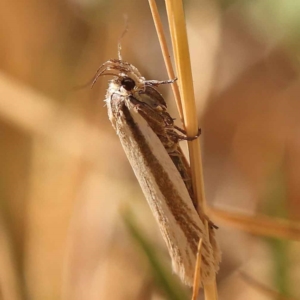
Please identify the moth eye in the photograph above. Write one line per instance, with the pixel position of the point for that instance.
(128, 83)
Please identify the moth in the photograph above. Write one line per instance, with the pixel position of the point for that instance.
(150, 139)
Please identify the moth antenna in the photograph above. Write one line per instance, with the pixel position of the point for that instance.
(121, 37)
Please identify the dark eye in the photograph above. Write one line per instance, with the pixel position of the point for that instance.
(128, 83)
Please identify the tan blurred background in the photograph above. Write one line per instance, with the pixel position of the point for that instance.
(65, 181)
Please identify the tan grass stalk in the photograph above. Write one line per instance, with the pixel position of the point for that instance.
(197, 276)
(259, 225)
(177, 26)
(183, 66)
(166, 55)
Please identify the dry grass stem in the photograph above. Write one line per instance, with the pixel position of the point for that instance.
(259, 225)
(197, 276)
(183, 66)
(210, 291)
(166, 55)
(177, 26)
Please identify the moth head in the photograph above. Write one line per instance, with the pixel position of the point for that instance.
(128, 83)
(124, 71)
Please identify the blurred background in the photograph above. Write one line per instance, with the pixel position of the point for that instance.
(73, 221)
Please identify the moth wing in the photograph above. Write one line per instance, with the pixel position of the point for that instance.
(164, 190)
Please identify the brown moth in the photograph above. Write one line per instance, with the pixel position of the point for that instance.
(150, 140)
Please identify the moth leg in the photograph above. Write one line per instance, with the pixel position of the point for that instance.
(159, 82)
(178, 137)
(152, 117)
(142, 106)
(149, 115)
(180, 129)
(169, 121)
(184, 132)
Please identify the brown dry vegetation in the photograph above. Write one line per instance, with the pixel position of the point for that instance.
(65, 179)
